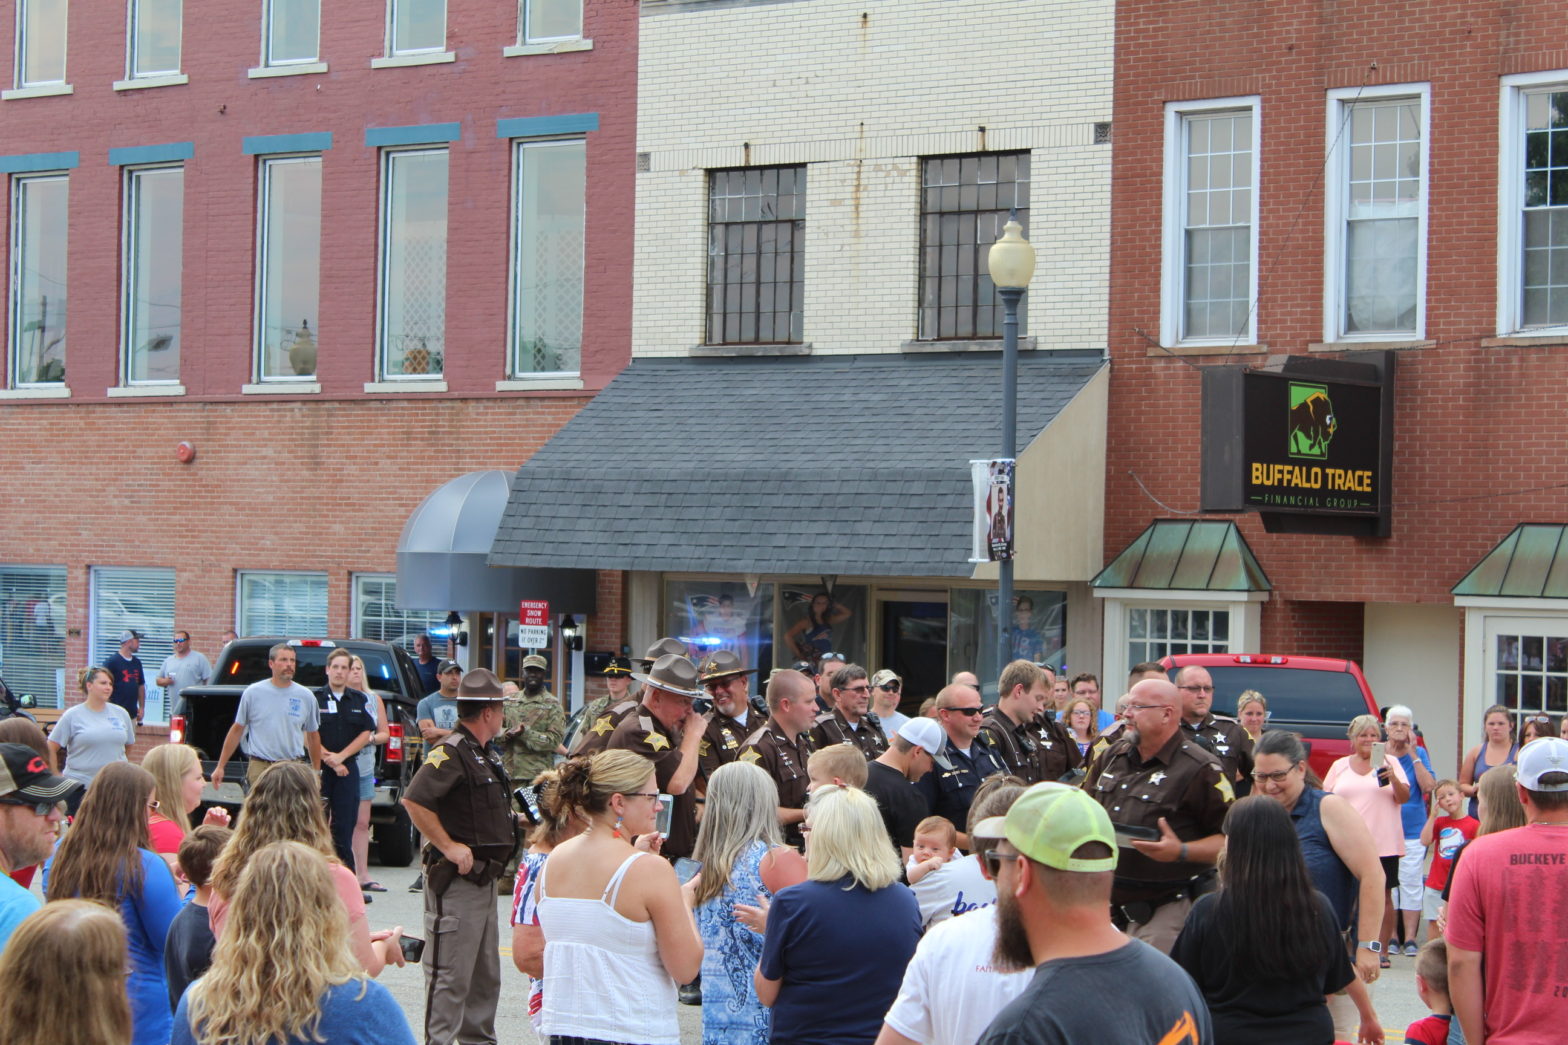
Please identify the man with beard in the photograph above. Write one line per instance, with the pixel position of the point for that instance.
(730, 692)
(533, 725)
(1054, 858)
(848, 722)
(1223, 736)
(1033, 747)
(1172, 795)
(32, 806)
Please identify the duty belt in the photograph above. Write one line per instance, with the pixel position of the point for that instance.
(1140, 912)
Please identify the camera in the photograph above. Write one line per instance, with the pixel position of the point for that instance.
(527, 801)
(413, 948)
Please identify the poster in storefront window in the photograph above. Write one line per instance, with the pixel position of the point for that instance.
(1039, 631)
(817, 622)
(728, 615)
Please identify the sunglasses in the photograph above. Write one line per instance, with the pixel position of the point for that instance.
(38, 808)
(966, 711)
(891, 687)
(993, 860)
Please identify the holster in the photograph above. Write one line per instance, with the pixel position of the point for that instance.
(439, 875)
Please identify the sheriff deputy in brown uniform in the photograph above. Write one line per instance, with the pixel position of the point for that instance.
(1223, 736)
(729, 689)
(601, 723)
(1158, 780)
(668, 732)
(460, 800)
(783, 744)
(1031, 747)
(849, 722)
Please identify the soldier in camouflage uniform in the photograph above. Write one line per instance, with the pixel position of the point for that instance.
(532, 728)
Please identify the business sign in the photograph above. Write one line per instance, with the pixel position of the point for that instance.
(1309, 441)
(533, 624)
(992, 533)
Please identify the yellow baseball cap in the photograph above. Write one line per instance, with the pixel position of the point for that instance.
(1049, 822)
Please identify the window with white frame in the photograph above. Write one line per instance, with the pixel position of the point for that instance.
(288, 247)
(416, 26)
(376, 615)
(289, 605)
(412, 329)
(1533, 202)
(33, 630)
(154, 38)
(40, 42)
(291, 32)
(550, 181)
(135, 598)
(1154, 632)
(1375, 234)
(38, 239)
(152, 269)
(541, 21)
(1210, 218)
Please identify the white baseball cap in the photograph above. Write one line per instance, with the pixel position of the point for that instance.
(923, 732)
(1540, 757)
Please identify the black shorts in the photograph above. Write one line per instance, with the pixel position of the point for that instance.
(1390, 872)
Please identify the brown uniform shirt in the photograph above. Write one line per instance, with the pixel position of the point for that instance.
(1038, 749)
(647, 736)
(1229, 742)
(1182, 783)
(770, 748)
(833, 728)
(721, 742)
(596, 737)
(465, 785)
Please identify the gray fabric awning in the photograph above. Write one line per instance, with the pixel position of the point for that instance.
(814, 464)
(442, 556)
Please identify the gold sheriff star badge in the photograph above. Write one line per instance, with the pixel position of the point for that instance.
(602, 725)
(658, 742)
(437, 757)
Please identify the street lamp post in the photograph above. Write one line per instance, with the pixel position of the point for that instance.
(1011, 265)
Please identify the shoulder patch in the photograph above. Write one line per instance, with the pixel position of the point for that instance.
(826, 716)
(756, 736)
(1226, 791)
(751, 754)
(437, 757)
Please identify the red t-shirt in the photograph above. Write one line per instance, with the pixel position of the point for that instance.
(1448, 834)
(1428, 1030)
(1506, 904)
(165, 834)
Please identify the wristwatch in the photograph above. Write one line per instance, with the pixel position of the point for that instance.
(1375, 946)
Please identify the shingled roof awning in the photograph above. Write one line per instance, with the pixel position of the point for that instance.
(1186, 555)
(816, 464)
(1530, 563)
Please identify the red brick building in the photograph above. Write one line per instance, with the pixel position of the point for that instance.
(344, 253)
(1313, 180)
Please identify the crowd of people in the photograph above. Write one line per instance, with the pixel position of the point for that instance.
(805, 869)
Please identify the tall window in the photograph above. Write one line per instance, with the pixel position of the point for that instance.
(33, 631)
(289, 245)
(417, 26)
(413, 262)
(38, 237)
(964, 202)
(136, 597)
(1376, 208)
(291, 32)
(289, 605)
(154, 241)
(1533, 225)
(550, 187)
(376, 615)
(756, 254)
(40, 42)
(155, 37)
(544, 20)
(1210, 249)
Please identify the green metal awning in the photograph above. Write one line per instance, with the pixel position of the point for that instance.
(1186, 555)
(1530, 563)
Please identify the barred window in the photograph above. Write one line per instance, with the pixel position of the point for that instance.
(964, 202)
(756, 254)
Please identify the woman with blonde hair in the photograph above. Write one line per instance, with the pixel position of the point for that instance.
(284, 973)
(359, 678)
(1252, 711)
(743, 857)
(1376, 792)
(850, 923)
(106, 857)
(74, 945)
(609, 916)
(176, 794)
(284, 805)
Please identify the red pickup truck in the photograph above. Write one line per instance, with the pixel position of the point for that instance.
(1314, 696)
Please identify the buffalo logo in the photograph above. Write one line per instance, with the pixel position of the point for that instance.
(1312, 421)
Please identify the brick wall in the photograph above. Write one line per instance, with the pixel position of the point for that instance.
(859, 94)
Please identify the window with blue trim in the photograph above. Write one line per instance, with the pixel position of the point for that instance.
(38, 240)
(289, 262)
(153, 267)
(550, 181)
(412, 299)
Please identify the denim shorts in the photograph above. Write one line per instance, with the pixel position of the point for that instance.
(367, 787)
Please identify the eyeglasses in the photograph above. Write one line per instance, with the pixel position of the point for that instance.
(714, 685)
(1145, 707)
(38, 808)
(965, 711)
(1196, 689)
(993, 860)
(641, 794)
(1273, 778)
(857, 689)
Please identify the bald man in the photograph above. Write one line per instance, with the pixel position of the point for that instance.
(1173, 795)
(965, 678)
(966, 758)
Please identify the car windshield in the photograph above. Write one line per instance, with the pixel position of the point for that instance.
(250, 664)
(1293, 694)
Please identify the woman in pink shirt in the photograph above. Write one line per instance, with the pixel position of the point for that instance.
(1376, 792)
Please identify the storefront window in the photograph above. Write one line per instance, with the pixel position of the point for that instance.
(32, 631)
(1039, 630)
(287, 605)
(816, 622)
(712, 615)
(140, 599)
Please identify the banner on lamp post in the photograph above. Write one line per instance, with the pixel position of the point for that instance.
(993, 503)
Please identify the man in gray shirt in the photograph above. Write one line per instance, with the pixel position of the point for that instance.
(184, 667)
(277, 718)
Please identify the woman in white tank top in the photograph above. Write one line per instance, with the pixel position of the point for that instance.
(612, 914)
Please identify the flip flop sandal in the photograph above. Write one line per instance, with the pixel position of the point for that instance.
(1383, 962)
(373, 887)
